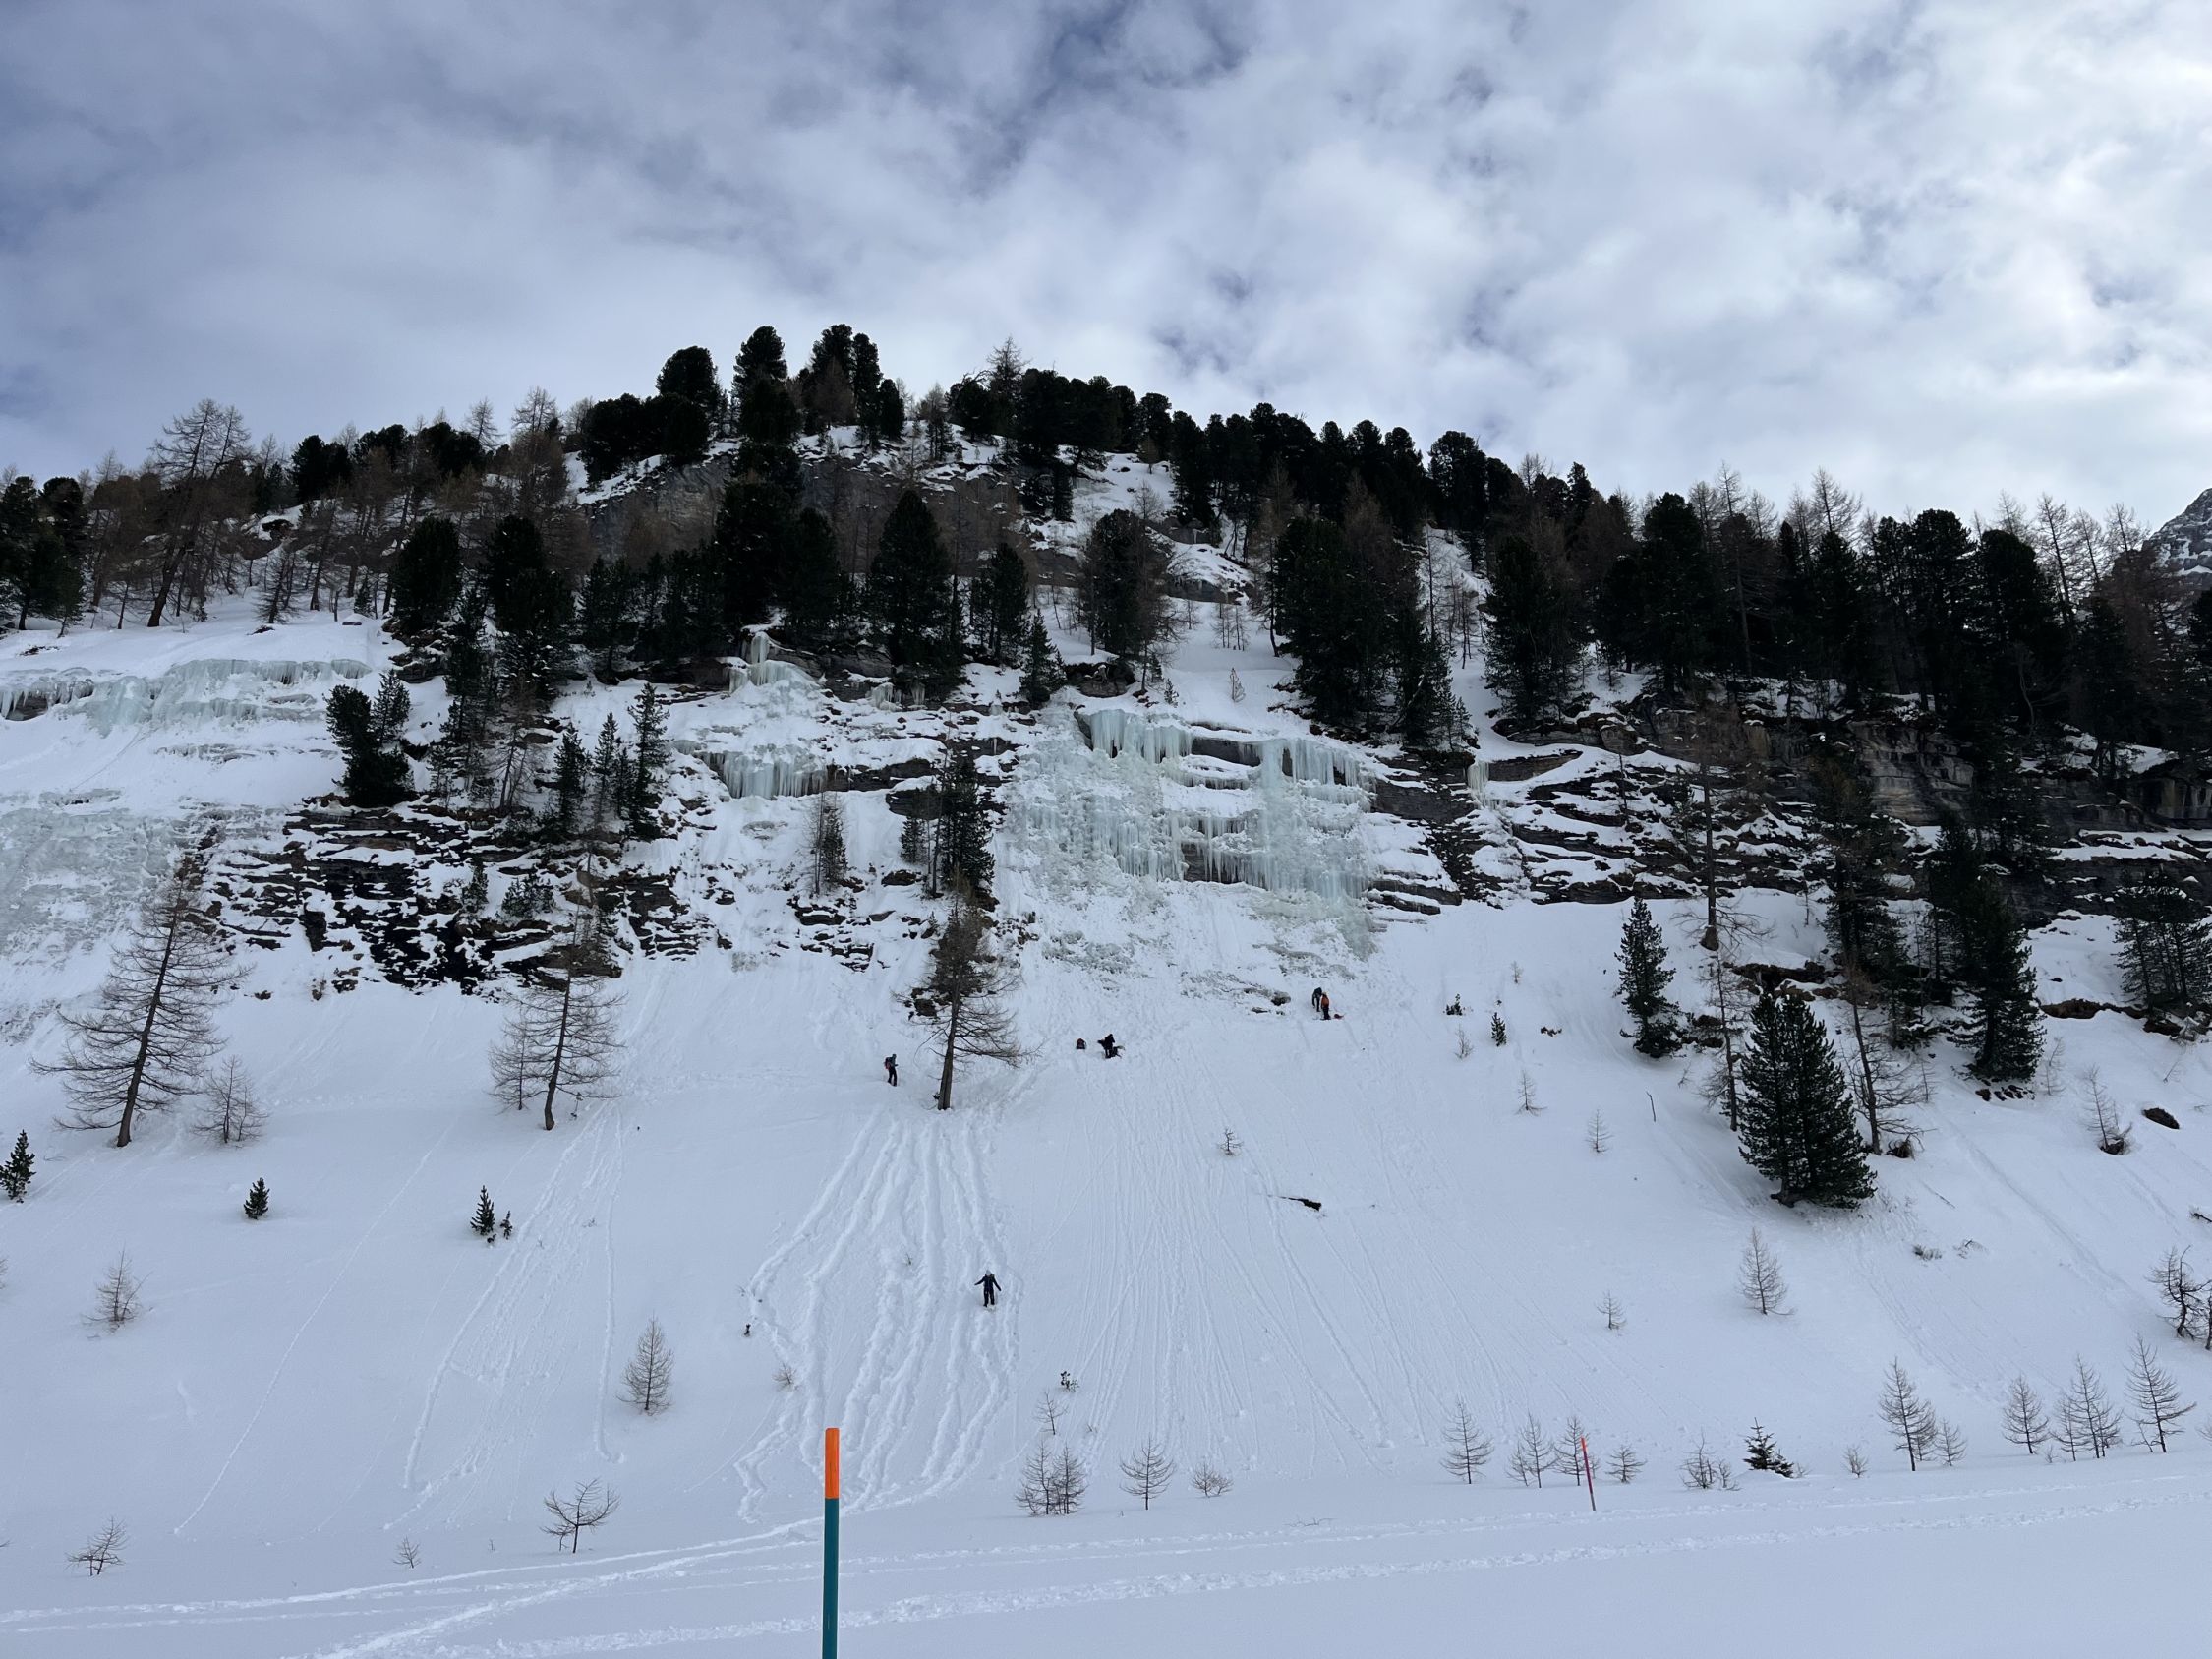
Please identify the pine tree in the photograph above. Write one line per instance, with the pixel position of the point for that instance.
(2166, 944)
(1042, 673)
(476, 892)
(610, 780)
(818, 597)
(1532, 651)
(367, 735)
(256, 1200)
(572, 781)
(1761, 1452)
(910, 590)
(1797, 1127)
(15, 1174)
(825, 842)
(1978, 940)
(425, 578)
(963, 832)
(484, 1223)
(649, 757)
(1005, 604)
(1644, 977)
(1122, 595)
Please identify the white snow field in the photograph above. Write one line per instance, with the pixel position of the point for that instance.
(304, 1392)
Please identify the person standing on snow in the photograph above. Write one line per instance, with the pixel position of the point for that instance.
(1321, 1003)
(989, 1283)
(890, 1070)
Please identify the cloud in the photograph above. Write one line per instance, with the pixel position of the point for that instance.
(1942, 249)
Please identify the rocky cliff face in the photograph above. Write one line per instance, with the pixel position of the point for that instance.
(2184, 541)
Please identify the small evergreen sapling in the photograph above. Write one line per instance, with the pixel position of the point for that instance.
(1761, 1452)
(1497, 1029)
(484, 1223)
(256, 1200)
(15, 1174)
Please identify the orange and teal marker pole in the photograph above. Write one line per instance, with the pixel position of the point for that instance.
(829, 1544)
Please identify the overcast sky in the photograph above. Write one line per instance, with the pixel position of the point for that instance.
(1942, 249)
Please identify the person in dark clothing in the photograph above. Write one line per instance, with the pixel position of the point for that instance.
(1106, 1046)
(890, 1070)
(989, 1283)
(1319, 999)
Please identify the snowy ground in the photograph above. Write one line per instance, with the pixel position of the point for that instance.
(305, 1392)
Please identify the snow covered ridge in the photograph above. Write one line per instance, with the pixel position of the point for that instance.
(199, 691)
(2184, 541)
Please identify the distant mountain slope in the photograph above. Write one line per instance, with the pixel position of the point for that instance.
(2184, 541)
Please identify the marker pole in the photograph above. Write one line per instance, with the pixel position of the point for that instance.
(829, 1544)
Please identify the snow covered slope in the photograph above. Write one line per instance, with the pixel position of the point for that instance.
(304, 1392)
(2184, 541)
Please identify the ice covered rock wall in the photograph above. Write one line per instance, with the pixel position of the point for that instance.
(1171, 802)
(210, 690)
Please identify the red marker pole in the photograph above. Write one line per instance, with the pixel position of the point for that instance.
(829, 1544)
(1589, 1478)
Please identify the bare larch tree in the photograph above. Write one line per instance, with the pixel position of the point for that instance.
(646, 1379)
(143, 1047)
(228, 1109)
(1466, 1448)
(1146, 1471)
(966, 987)
(559, 1037)
(573, 1516)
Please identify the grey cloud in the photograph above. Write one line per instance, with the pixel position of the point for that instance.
(1945, 248)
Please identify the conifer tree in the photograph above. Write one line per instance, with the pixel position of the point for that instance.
(2025, 1424)
(1644, 977)
(1979, 942)
(610, 780)
(425, 578)
(910, 590)
(1797, 1127)
(146, 1044)
(368, 734)
(649, 756)
(15, 1174)
(256, 1200)
(818, 597)
(2164, 942)
(1532, 651)
(963, 832)
(1042, 673)
(1911, 1419)
(1004, 604)
(572, 782)
(484, 1223)
(1761, 1452)
(476, 892)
